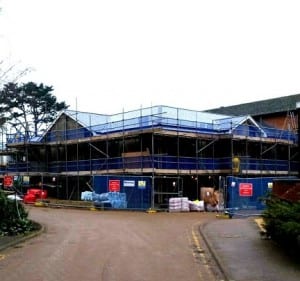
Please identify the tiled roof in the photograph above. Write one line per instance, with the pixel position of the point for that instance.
(276, 105)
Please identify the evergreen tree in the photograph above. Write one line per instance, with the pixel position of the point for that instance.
(28, 108)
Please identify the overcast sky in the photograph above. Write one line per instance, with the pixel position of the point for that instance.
(114, 55)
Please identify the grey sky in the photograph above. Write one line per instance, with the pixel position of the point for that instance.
(109, 56)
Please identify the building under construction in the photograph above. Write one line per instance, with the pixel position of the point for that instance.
(151, 154)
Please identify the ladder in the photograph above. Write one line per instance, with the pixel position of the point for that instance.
(293, 121)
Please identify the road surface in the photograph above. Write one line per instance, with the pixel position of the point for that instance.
(111, 246)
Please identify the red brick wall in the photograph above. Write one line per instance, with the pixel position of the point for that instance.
(282, 122)
(287, 190)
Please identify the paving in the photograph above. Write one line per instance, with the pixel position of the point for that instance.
(10, 241)
(110, 245)
(244, 255)
(241, 253)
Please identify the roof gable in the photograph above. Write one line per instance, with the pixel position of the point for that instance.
(238, 125)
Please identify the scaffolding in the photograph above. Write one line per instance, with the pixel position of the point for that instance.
(163, 143)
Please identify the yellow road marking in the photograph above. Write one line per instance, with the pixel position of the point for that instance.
(196, 241)
(260, 222)
(201, 255)
(193, 243)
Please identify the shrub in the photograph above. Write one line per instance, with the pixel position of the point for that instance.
(14, 217)
(282, 221)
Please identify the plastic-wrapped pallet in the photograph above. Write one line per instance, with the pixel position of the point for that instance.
(185, 206)
(196, 205)
(116, 200)
(179, 204)
(100, 197)
(174, 205)
(87, 196)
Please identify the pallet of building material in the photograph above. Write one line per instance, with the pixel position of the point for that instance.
(179, 204)
(196, 205)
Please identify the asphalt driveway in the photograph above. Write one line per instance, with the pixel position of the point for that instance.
(111, 245)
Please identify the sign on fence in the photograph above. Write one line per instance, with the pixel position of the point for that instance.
(8, 181)
(114, 185)
(245, 189)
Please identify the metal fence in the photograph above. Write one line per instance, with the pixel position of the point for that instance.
(248, 193)
(123, 192)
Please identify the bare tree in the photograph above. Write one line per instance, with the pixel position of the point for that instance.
(10, 73)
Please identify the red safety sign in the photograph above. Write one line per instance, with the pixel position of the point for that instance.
(246, 189)
(8, 181)
(114, 185)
